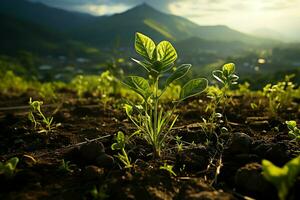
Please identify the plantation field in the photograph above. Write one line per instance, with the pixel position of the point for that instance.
(203, 157)
(160, 136)
(208, 163)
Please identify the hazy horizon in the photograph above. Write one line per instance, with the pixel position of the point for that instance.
(277, 19)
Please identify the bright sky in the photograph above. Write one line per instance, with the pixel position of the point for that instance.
(277, 17)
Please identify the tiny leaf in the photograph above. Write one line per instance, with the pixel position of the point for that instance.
(228, 69)
(147, 66)
(217, 74)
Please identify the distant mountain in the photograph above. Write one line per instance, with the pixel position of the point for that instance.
(269, 33)
(35, 23)
(18, 35)
(143, 18)
(195, 45)
(41, 14)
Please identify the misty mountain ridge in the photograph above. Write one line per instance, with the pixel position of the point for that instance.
(118, 29)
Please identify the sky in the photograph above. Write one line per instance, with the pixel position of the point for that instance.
(278, 18)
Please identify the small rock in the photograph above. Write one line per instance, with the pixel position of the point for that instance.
(72, 154)
(246, 158)
(277, 153)
(92, 172)
(90, 151)
(260, 148)
(239, 143)
(249, 180)
(105, 161)
(195, 159)
(259, 125)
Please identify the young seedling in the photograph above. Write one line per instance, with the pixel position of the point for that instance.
(168, 168)
(66, 167)
(294, 131)
(152, 120)
(8, 168)
(227, 78)
(279, 95)
(283, 178)
(37, 117)
(120, 145)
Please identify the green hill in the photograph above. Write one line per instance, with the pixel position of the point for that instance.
(40, 14)
(19, 35)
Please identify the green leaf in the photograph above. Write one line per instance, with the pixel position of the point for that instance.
(128, 109)
(193, 88)
(13, 162)
(166, 54)
(114, 146)
(144, 46)
(120, 144)
(146, 65)
(178, 73)
(291, 124)
(228, 69)
(282, 178)
(217, 74)
(139, 85)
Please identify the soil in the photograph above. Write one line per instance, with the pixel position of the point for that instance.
(219, 165)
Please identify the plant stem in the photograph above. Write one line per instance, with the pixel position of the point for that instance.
(157, 151)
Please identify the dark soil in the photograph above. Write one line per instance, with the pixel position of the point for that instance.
(87, 131)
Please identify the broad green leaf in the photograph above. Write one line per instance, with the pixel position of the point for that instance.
(139, 85)
(228, 69)
(166, 54)
(144, 46)
(178, 73)
(193, 88)
(282, 178)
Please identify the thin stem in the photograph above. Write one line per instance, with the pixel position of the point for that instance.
(155, 110)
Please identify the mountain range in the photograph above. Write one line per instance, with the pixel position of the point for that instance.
(35, 26)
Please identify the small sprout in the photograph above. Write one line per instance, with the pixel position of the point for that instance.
(66, 167)
(227, 75)
(227, 78)
(8, 168)
(37, 117)
(168, 168)
(279, 95)
(294, 131)
(179, 143)
(283, 178)
(254, 106)
(120, 145)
